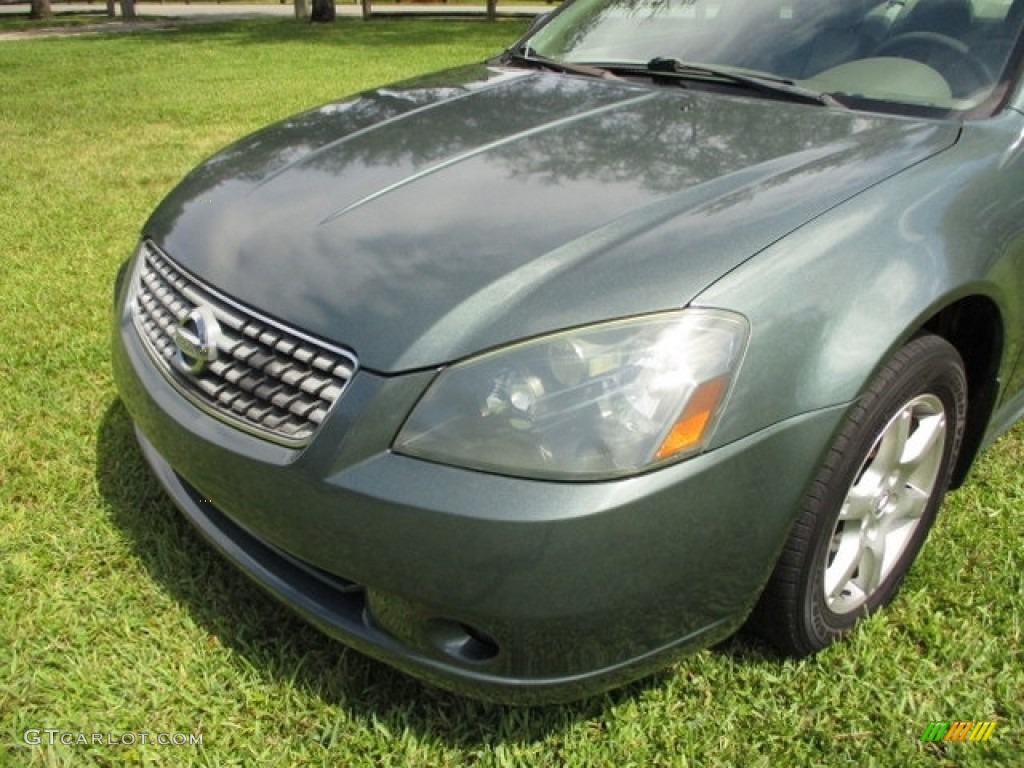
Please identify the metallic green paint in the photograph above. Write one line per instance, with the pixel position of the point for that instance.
(435, 219)
(860, 280)
(681, 557)
(502, 204)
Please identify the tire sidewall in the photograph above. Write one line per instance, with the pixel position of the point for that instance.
(927, 365)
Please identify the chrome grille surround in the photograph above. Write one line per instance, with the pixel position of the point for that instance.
(266, 379)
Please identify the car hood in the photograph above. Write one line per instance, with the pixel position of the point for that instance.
(420, 223)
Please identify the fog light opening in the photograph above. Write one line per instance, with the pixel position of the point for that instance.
(479, 645)
(462, 641)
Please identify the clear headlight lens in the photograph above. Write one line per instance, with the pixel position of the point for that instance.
(590, 403)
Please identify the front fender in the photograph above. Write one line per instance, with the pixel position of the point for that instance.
(832, 301)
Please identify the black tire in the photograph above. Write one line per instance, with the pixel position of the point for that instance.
(867, 513)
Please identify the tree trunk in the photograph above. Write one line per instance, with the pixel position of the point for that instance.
(128, 10)
(323, 10)
(40, 9)
(301, 10)
(111, 8)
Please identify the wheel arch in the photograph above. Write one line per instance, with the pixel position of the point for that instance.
(974, 325)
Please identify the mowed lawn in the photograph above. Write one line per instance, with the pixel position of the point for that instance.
(115, 617)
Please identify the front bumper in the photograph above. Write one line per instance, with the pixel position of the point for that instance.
(509, 589)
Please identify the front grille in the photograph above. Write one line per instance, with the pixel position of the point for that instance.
(266, 379)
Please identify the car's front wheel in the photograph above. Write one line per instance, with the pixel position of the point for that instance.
(872, 503)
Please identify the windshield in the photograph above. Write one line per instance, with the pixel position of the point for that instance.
(948, 55)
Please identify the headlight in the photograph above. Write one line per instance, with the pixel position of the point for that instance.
(586, 404)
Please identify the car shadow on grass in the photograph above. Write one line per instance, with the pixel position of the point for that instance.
(237, 614)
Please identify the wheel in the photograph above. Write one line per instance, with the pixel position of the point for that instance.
(951, 58)
(872, 503)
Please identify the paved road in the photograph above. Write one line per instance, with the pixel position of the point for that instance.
(200, 11)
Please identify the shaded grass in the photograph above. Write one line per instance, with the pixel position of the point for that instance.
(116, 618)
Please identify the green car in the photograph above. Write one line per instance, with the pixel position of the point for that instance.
(528, 376)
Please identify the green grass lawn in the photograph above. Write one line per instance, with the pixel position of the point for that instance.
(116, 618)
(150, 11)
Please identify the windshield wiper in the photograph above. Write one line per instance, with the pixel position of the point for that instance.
(778, 87)
(526, 55)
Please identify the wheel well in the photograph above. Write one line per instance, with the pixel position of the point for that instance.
(974, 326)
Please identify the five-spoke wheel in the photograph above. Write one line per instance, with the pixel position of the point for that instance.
(869, 509)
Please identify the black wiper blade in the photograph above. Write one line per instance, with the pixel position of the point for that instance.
(528, 56)
(778, 87)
